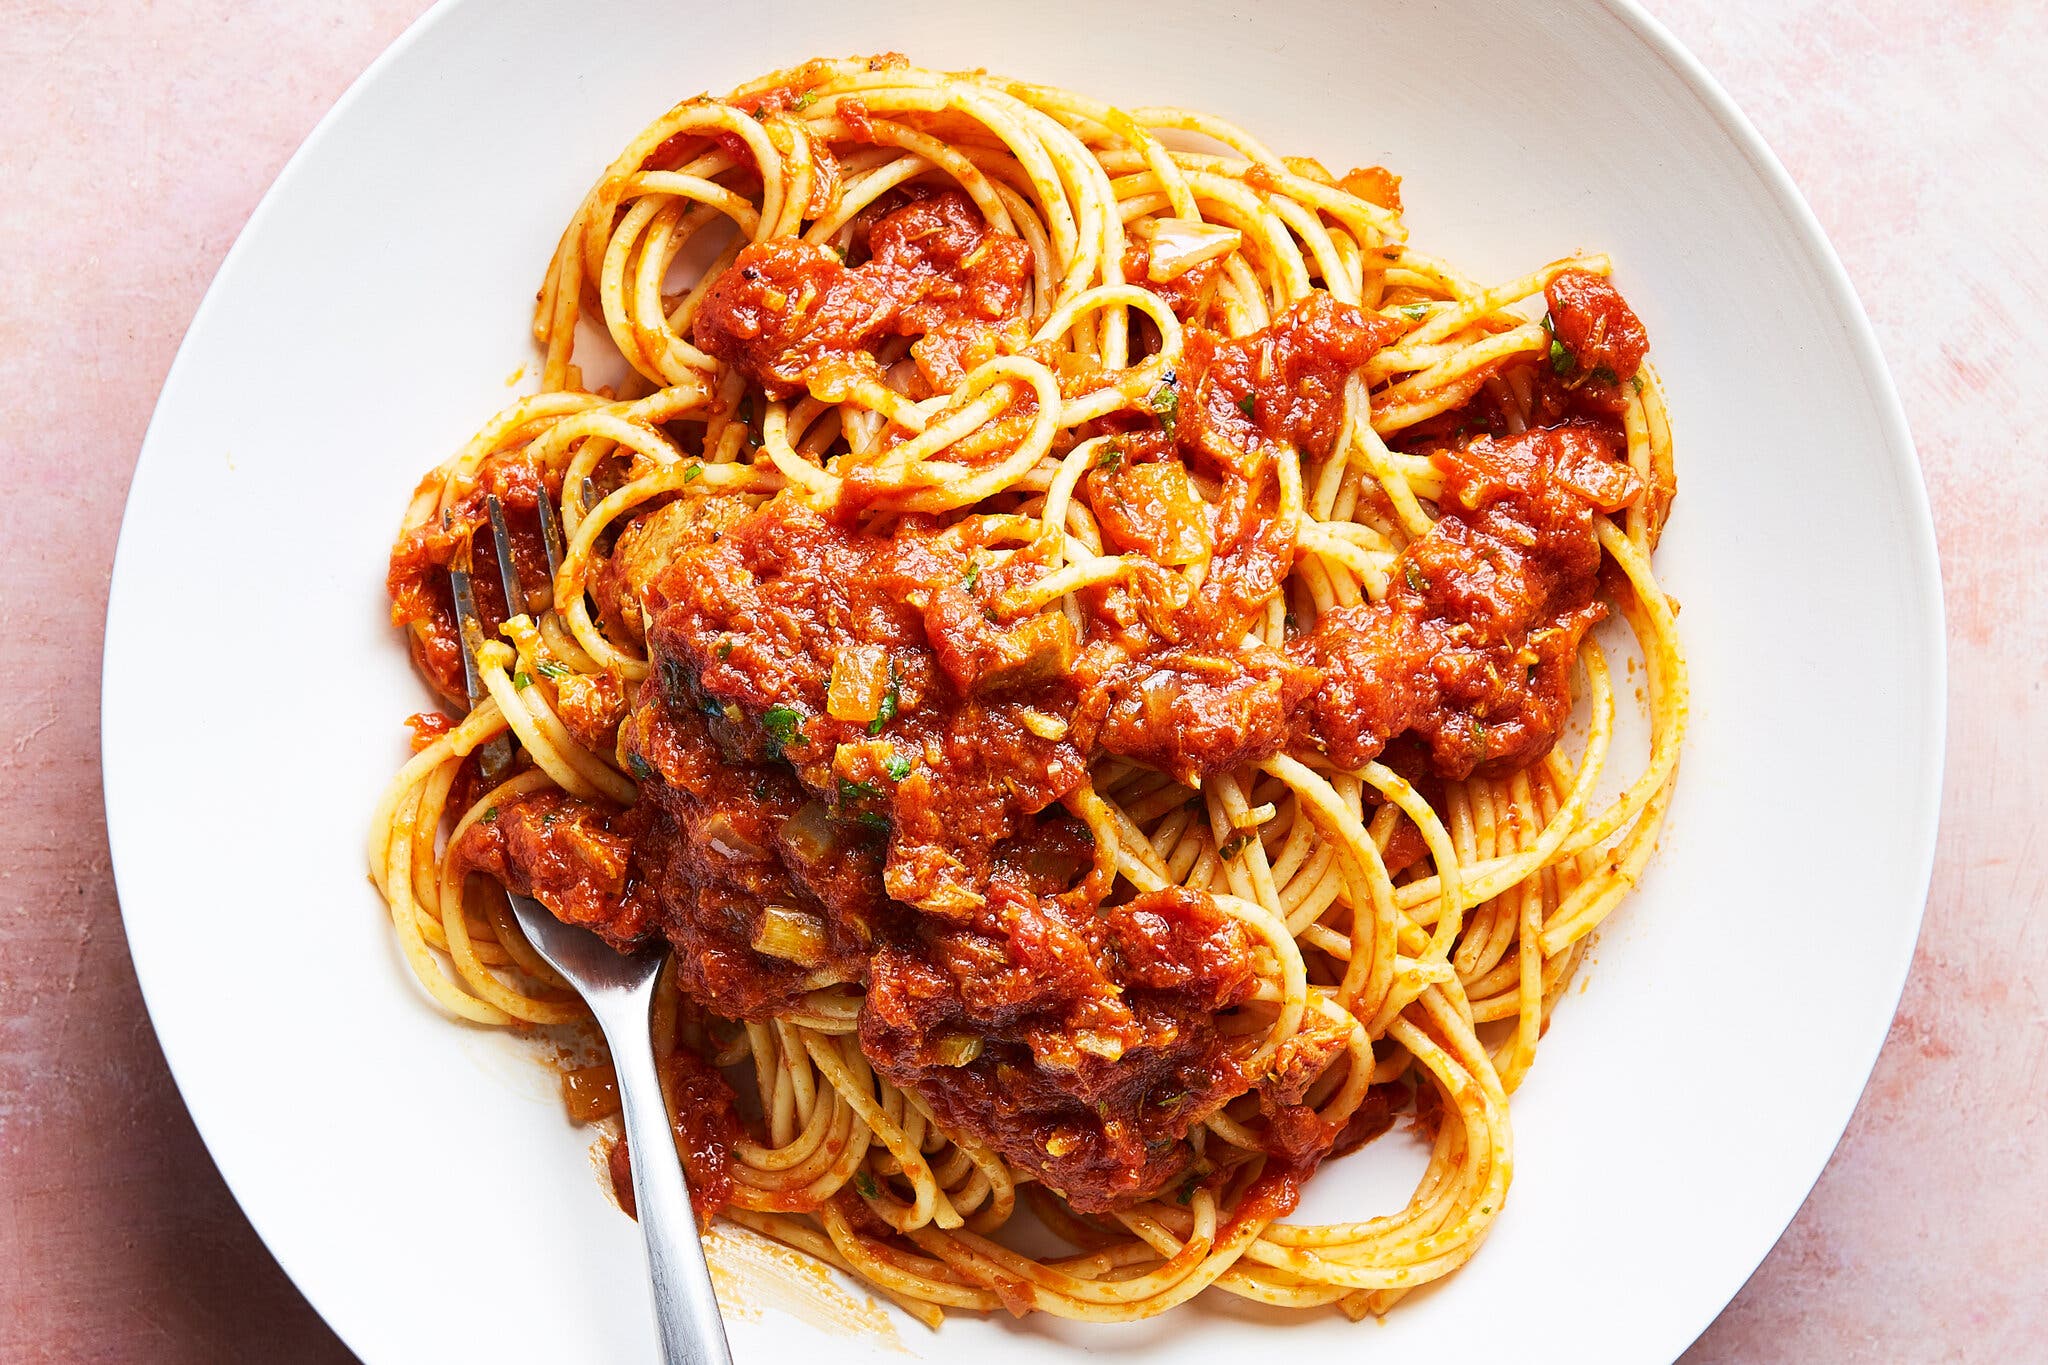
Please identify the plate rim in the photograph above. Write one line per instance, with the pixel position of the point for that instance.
(1918, 544)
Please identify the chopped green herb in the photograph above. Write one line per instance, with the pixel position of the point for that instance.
(873, 819)
(1561, 361)
(805, 100)
(865, 1183)
(897, 766)
(548, 668)
(1549, 324)
(845, 256)
(1187, 1189)
(850, 791)
(675, 679)
(1249, 405)
(447, 518)
(642, 769)
(1236, 844)
(522, 680)
(1102, 1108)
(1164, 400)
(725, 649)
(760, 114)
(891, 700)
(1170, 1099)
(490, 815)
(1416, 582)
(761, 790)
(693, 473)
(973, 572)
(783, 724)
(1479, 746)
(1289, 624)
(1604, 375)
(1415, 312)
(1636, 381)
(1110, 457)
(547, 820)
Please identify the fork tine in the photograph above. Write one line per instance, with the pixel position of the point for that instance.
(551, 539)
(495, 756)
(508, 568)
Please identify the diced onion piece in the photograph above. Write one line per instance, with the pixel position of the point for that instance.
(1062, 1143)
(792, 935)
(1043, 725)
(809, 833)
(860, 679)
(1178, 245)
(726, 840)
(591, 1092)
(1100, 1045)
(957, 1049)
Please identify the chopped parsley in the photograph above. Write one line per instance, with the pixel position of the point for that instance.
(1110, 457)
(1561, 361)
(1249, 405)
(675, 679)
(761, 790)
(851, 791)
(547, 820)
(725, 649)
(1416, 582)
(1170, 1099)
(897, 766)
(548, 668)
(1415, 312)
(805, 100)
(874, 820)
(1636, 382)
(1187, 1189)
(1605, 375)
(973, 572)
(522, 680)
(693, 473)
(865, 1183)
(1164, 400)
(892, 700)
(642, 769)
(783, 724)
(490, 815)
(1236, 844)
(760, 114)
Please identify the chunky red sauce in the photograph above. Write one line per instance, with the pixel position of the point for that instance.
(788, 311)
(851, 761)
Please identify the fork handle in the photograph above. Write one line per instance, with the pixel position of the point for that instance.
(685, 1307)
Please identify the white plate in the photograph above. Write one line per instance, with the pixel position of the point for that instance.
(418, 1179)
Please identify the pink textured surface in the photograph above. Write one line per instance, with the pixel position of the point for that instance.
(138, 139)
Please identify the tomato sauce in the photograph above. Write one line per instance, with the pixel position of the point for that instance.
(852, 758)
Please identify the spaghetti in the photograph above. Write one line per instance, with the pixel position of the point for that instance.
(1064, 621)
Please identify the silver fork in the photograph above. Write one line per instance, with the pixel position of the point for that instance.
(619, 989)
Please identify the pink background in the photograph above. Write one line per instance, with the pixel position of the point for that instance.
(134, 141)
